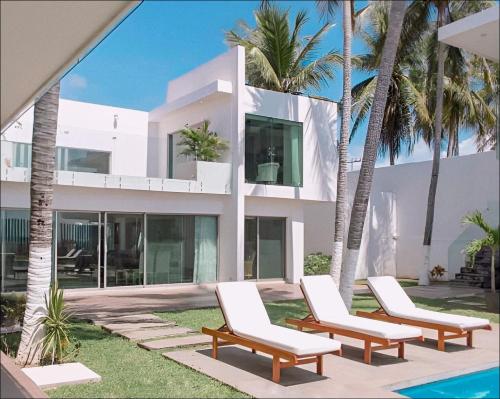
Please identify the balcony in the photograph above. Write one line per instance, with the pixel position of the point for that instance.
(202, 183)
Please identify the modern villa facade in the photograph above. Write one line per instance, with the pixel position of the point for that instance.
(131, 211)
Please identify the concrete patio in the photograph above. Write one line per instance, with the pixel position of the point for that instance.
(346, 376)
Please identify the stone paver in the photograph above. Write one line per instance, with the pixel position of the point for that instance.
(168, 343)
(347, 376)
(150, 333)
(112, 327)
(61, 374)
(104, 319)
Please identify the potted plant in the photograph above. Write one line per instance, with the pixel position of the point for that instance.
(201, 143)
(437, 273)
(490, 240)
(268, 172)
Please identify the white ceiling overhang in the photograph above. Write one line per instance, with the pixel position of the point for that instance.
(42, 40)
(477, 33)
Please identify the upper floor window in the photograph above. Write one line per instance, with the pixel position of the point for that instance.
(273, 151)
(78, 160)
(21, 157)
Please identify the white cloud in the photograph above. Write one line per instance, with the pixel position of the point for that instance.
(76, 81)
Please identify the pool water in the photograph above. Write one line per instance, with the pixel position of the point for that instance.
(481, 384)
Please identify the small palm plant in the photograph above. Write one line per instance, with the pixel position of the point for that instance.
(201, 143)
(490, 240)
(56, 326)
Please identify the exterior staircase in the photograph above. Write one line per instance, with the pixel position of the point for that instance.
(479, 274)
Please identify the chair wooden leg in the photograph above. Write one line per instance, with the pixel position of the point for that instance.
(331, 335)
(215, 346)
(401, 350)
(441, 343)
(319, 365)
(254, 351)
(368, 352)
(276, 369)
(469, 339)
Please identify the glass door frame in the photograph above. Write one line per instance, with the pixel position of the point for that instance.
(257, 256)
(55, 225)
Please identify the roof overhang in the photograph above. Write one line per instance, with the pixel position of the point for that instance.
(477, 33)
(43, 40)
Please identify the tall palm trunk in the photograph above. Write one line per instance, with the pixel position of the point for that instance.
(431, 200)
(341, 203)
(40, 244)
(363, 188)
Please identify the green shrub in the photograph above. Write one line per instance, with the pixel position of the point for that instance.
(317, 263)
(12, 306)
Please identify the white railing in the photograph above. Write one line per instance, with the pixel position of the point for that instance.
(203, 183)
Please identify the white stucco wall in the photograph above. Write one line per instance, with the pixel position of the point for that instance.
(465, 184)
(92, 127)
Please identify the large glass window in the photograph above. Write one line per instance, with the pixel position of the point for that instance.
(77, 249)
(181, 249)
(125, 249)
(273, 151)
(14, 226)
(78, 160)
(264, 248)
(21, 156)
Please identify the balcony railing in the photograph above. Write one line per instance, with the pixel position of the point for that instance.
(203, 183)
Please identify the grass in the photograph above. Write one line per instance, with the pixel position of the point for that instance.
(128, 371)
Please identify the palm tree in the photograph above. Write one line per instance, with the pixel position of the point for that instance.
(40, 238)
(201, 143)
(363, 188)
(277, 57)
(327, 8)
(397, 130)
(490, 240)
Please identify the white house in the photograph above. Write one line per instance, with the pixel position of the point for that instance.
(129, 210)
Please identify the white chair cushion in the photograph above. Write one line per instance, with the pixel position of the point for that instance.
(296, 342)
(390, 294)
(323, 297)
(242, 305)
(375, 328)
(453, 320)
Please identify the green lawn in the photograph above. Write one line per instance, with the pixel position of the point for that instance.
(278, 311)
(128, 371)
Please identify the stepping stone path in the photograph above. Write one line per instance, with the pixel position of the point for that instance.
(150, 331)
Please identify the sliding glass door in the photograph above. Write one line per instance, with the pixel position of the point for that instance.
(264, 248)
(181, 249)
(78, 249)
(124, 249)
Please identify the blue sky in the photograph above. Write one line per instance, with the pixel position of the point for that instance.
(161, 40)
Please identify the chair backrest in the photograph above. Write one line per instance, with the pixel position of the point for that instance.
(76, 254)
(242, 306)
(390, 295)
(70, 252)
(323, 297)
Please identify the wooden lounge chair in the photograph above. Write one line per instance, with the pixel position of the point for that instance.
(247, 324)
(328, 313)
(397, 307)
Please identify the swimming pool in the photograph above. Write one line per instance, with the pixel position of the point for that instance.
(481, 384)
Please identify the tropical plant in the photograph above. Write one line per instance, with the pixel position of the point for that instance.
(437, 272)
(40, 236)
(12, 306)
(491, 240)
(201, 143)
(277, 57)
(363, 187)
(55, 324)
(317, 263)
(397, 133)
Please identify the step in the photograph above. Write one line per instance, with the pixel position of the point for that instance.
(134, 318)
(169, 343)
(480, 271)
(470, 277)
(151, 333)
(112, 327)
